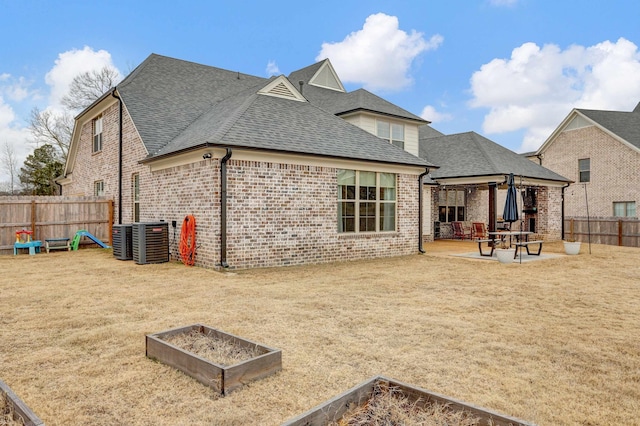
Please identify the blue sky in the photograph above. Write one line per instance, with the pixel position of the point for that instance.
(510, 70)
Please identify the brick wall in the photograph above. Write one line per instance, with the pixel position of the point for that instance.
(278, 214)
(615, 170)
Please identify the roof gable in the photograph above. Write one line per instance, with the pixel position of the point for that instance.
(282, 88)
(326, 77)
(622, 126)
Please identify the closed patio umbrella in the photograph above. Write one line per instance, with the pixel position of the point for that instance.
(510, 213)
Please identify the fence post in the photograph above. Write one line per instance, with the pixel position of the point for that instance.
(33, 218)
(110, 224)
(571, 228)
(619, 232)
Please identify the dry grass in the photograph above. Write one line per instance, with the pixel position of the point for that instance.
(389, 406)
(223, 352)
(552, 342)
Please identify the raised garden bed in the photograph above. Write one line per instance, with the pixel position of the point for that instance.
(371, 403)
(13, 411)
(216, 359)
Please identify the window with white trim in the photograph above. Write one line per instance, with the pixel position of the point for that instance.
(97, 134)
(584, 170)
(624, 209)
(393, 132)
(451, 205)
(98, 188)
(366, 201)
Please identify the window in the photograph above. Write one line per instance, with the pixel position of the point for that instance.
(392, 132)
(98, 188)
(366, 201)
(624, 209)
(584, 169)
(451, 205)
(97, 134)
(135, 190)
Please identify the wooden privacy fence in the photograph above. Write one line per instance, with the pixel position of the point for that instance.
(54, 217)
(614, 231)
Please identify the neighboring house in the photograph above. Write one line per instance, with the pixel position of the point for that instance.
(600, 151)
(471, 184)
(274, 170)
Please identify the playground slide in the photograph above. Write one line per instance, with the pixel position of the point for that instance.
(83, 233)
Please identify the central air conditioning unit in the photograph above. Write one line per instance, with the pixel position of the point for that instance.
(122, 242)
(150, 242)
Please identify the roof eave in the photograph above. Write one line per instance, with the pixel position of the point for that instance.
(151, 159)
(360, 109)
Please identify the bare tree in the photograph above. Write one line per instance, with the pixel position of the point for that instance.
(9, 164)
(49, 128)
(89, 86)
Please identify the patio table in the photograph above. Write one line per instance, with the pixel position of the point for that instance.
(502, 235)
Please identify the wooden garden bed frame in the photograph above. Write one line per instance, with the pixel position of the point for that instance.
(19, 408)
(223, 379)
(333, 409)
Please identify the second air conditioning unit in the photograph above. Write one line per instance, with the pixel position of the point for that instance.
(122, 242)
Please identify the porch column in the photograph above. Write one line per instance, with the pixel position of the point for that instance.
(493, 196)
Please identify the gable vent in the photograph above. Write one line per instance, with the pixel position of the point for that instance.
(282, 90)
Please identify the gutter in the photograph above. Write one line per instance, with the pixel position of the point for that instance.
(420, 213)
(562, 211)
(223, 208)
(113, 93)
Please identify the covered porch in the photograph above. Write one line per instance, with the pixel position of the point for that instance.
(471, 186)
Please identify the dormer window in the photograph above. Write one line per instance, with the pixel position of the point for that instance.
(393, 132)
(97, 134)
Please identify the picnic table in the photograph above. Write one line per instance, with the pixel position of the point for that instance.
(521, 241)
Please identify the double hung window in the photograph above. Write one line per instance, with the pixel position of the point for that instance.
(97, 134)
(584, 170)
(393, 132)
(624, 209)
(98, 188)
(366, 201)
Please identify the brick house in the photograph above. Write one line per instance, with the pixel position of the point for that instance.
(600, 151)
(277, 171)
(470, 185)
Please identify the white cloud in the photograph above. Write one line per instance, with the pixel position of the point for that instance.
(15, 91)
(379, 55)
(429, 113)
(12, 134)
(272, 68)
(537, 87)
(68, 65)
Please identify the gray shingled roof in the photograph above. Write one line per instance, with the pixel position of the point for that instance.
(269, 123)
(470, 155)
(178, 105)
(338, 103)
(165, 95)
(624, 124)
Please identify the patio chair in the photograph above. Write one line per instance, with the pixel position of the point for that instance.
(459, 231)
(479, 230)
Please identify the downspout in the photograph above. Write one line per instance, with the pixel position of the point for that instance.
(113, 93)
(223, 209)
(562, 211)
(420, 213)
